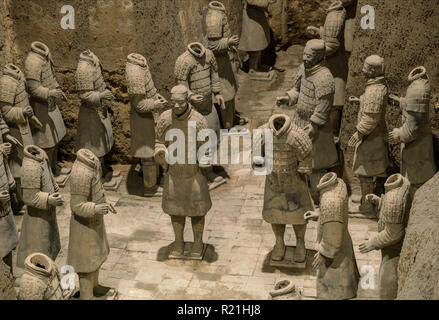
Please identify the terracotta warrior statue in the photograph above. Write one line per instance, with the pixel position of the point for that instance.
(44, 92)
(8, 229)
(186, 193)
(221, 42)
(88, 244)
(287, 197)
(39, 229)
(313, 93)
(18, 115)
(337, 56)
(371, 156)
(144, 102)
(337, 272)
(197, 69)
(415, 136)
(94, 124)
(394, 209)
(255, 36)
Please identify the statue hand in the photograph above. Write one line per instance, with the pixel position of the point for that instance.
(353, 99)
(233, 41)
(160, 103)
(102, 209)
(283, 101)
(221, 101)
(311, 130)
(55, 199)
(373, 198)
(311, 215)
(107, 95)
(197, 98)
(28, 112)
(5, 148)
(355, 139)
(394, 137)
(312, 31)
(57, 94)
(366, 247)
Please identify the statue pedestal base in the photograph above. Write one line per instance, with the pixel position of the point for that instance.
(261, 76)
(354, 207)
(215, 184)
(186, 256)
(62, 179)
(288, 261)
(114, 183)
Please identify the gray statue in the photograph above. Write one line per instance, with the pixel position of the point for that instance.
(186, 193)
(144, 102)
(287, 197)
(371, 156)
(221, 42)
(88, 244)
(39, 229)
(337, 272)
(415, 136)
(313, 92)
(394, 209)
(44, 92)
(94, 124)
(255, 36)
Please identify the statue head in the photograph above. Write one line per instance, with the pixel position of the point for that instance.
(373, 66)
(314, 53)
(179, 98)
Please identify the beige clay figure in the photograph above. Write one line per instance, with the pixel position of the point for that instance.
(286, 196)
(186, 193)
(39, 229)
(221, 42)
(394, 208)
(8, 229)
(371, 155)
(337, 271)
(313, 93)
(44, 92)
(88, 243)
(197, 69)
(145, 101)
(94, 130)
(19, 116)
(415, 135)
(255, 37)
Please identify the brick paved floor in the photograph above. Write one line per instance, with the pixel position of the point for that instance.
(235, 266)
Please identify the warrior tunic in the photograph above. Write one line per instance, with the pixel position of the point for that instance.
(255, 34)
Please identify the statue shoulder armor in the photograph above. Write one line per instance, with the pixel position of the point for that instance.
(374, 98)
(84, 76)
(81, 179)
(214, 23)
(30, 174)
(8, 89)
(135, 77)
(199, 119)
(334, 23)
(333, 204)
(300, 140)
(33, 66)
(164, 122)
(183, 66)
(394, 203)
(324, 83)
(418, 96)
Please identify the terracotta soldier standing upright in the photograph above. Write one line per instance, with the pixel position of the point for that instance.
(337, 275)
(286, 196)
(94, 124)
(337, 57)
(415, 136)
(145, 101)
(44, 91)
(8, 229)
(371, 156)
(394, 209)
(18, 114)
(88, 244)
(255, 36)
(39, 230)
(221, 43)
(313, 92)
(186, 193)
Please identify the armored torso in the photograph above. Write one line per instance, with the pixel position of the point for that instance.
(39, 66)
(139, 80)
(13, 87)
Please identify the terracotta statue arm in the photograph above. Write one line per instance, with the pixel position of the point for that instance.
(81, 207)
(4, 129)
(12, 114)
(332, 45)
(141, 104)
(392, 234)
(37, 90)
(293, 95)
(218, 44)
(332, 239)
(410, 129)
(322, 111)
(92, 98)
(36, 198)
(368, 123)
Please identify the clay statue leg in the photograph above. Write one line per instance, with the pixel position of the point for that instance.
(335, 117)
(279, 248)
(150, 177)
(367, 185)
(254, 60)
(198, 229)
(86, 284)
(300, 252)
(101, 291)
(178, 223)
(8, 261)
(227, 116)
(17, 203)
(315, 178)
